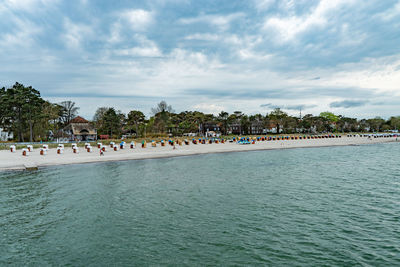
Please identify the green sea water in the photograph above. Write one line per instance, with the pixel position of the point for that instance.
(332, 206)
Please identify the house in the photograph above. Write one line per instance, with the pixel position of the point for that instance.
(235, 128)
(80, 129)
(212, 134)
(210, 127)
(257, 128)
(5, 136)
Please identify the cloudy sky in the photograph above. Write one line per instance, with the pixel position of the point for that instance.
(336, 55)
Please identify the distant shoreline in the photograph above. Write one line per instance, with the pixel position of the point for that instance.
(15, 161)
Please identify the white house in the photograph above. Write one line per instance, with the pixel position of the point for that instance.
(5, 136)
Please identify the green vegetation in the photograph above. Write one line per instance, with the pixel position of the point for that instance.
(31, 118)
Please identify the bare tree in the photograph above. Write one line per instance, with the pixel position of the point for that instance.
(100, 113)
(162, 107)
(68, 111)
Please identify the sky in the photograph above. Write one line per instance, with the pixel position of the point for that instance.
(341, 56)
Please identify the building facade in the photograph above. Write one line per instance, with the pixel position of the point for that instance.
(80, 129)
(5, 136)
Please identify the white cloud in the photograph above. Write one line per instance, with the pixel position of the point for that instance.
(138, 19)
(262, 5)
(197, 59)
(208, 108)
(231, 39)
(230, 70)
(391, 13)
(351, 37)
(222, 22)
(170, 73)
(242, 46)
(146, 48)
(203, 37)
(140, 51)
(115, 33)
(249, 54)
(23, 35)
(75, 33)
(27, 5)
(177, 74)
(381, 74)
(289, 27)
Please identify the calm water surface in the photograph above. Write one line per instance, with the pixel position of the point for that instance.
(335, 206)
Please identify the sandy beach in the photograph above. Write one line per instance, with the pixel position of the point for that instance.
(15, 161)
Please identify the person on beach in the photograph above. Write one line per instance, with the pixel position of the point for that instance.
(101, 152)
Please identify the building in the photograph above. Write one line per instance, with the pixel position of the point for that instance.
(5, 136)
(235, 128)
(80, 129)
(210, 126)
(257, 128)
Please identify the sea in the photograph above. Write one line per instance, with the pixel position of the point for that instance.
(327, 206)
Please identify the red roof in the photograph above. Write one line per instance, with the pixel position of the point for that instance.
(78, 119)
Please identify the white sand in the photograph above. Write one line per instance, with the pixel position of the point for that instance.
(15, 161)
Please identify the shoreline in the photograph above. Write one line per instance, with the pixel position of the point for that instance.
(35, 161)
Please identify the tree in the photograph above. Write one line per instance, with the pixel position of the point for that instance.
(33, 104)
(329, 116)
(394, 122)
(111, 122)
(278, 117)
(244, 124)
(21, 106)
(48, 123)
(68, 112)
(307, 122)
(238, 113)
(235, 118)
(135, 118)
(363, 125)
(98, 117)
(376, 124)
(199, 118)
(290, 124)
(162, 113)
(162, 107)
(385, 127)
(223, 118)
(4, 105)
(345, 124)
(330, 120)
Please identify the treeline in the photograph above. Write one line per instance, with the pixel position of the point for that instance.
(166, 121)
(30, 117)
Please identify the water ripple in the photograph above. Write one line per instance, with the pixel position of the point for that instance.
(335, 206)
